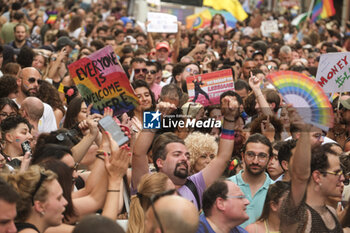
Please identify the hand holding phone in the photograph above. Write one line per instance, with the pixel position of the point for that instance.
(108, 124)
(26, 147)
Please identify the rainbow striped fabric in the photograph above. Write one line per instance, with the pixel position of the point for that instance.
(323, 9)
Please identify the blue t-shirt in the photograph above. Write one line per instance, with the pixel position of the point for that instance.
(204, 227)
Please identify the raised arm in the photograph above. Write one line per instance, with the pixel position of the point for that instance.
(143, 142)
(300, 161)
(116, 167)
(80, 149)
(254, 83)
(230, 111)
(176, 46)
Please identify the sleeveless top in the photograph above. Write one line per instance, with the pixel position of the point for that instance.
(318, 224)
(267, 229)
(24, 225)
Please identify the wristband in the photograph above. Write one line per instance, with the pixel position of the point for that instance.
(113, 190)
(227, 134)
(101, 156)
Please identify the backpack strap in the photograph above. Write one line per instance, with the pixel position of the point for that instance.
(189, 183)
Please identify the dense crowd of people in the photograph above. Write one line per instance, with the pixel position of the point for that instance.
(263, 170)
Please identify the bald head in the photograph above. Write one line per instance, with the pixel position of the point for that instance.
(29, 78)
(176, 214)
(33, 107)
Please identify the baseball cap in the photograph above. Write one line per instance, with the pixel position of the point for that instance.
(163, 45)
(63, 41)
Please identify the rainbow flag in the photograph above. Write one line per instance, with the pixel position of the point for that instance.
(323, 9)
(52, 17)
(328, 9)
(199, 20)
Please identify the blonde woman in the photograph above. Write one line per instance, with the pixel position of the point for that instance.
(150, 184)
(41, 204)
(203, 148)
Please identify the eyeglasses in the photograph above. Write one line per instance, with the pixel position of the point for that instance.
(144, 70)
(338, 173)
(154, 198)
(238, 197)
(6, 115)
(261, 156)
(190, 70)
(33, 80)
(41, 180)
(151, 72)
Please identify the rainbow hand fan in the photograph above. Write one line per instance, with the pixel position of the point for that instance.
(306, 96)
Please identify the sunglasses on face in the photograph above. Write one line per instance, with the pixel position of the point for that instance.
(144, 70)
(33, 80)
(151, 72)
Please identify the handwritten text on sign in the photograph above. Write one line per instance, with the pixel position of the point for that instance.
(333, 73)
(101, 81)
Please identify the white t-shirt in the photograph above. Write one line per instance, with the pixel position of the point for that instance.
(47, 122)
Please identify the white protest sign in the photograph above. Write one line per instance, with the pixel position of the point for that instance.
(333, 73)
(269, 26)
(161, 22)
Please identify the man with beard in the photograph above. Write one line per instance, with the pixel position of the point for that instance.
(137, 69)
(171, 156)
(28, 85)
(20, 31)
(253, 180)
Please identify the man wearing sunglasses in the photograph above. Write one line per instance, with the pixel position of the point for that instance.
(151, 76)
(137, 69)
(253, 180)
(28, 81)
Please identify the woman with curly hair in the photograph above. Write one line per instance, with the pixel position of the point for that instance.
(41, 203)
(49, 94)
(203, 148)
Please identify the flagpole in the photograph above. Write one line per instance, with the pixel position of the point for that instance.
(310, 8)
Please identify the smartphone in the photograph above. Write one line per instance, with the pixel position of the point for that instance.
(108, 124)
(26, 147)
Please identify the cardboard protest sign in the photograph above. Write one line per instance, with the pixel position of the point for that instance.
(161, 22)
(102, 81)
(207, 88)
(269, 26)
(333, 73)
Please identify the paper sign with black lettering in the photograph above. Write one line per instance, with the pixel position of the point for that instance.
(102, 81)
(207, 88)
(333, 73)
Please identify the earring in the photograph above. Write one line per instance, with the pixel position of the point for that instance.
(42, 213)
(320, 184)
